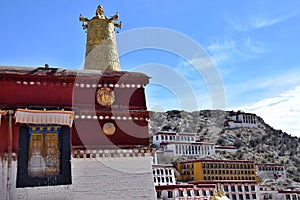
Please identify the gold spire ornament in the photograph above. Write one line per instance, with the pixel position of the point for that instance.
(100, 15)
(101, 46)
(219, 194)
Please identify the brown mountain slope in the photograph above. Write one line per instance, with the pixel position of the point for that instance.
(263, 144)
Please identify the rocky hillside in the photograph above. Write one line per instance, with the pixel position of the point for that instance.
(263, 144)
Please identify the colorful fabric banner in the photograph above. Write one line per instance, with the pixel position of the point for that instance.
(60, 117)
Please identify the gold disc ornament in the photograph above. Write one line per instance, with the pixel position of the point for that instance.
(105, 96)
(109, 128)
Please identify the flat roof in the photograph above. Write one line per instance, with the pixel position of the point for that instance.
(218, 161)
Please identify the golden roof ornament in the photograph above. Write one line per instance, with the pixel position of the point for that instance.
(101, 45)
(100, 15)
(219, 194)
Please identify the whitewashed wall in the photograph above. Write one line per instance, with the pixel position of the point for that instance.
(96, 178)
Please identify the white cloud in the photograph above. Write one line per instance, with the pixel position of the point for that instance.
(281, 112)
(228, 50)
(256, 22)
(281, 82)
(261, 22)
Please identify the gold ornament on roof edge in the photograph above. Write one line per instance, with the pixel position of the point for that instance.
(105, 96)
(109, 128)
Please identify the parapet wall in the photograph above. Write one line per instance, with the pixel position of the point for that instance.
(92, 178)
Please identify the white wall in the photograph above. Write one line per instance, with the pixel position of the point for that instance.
(3, 176)
(96, 178)
(162, 174)
(191, 149)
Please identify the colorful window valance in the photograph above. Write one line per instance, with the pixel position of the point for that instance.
(2, 112)
(60, 117)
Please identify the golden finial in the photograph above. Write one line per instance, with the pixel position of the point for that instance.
(218, 193)
(100, 15)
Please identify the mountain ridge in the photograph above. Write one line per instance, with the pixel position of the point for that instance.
(263, 144)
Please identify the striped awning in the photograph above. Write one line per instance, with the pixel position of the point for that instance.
(2, 112)
(59, 117)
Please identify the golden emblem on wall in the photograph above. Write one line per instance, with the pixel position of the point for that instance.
(109, 128)
(105, 96)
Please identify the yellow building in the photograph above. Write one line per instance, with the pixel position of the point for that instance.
(196, 170)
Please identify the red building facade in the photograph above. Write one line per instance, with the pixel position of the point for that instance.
(46, 113)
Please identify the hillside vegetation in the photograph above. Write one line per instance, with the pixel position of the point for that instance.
(262, 145)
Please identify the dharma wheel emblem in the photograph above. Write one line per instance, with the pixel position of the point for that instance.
(109, 128)
(105, 96)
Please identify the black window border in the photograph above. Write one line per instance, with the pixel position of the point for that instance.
(64, 177)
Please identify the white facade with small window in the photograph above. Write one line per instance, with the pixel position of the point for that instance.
(190, 149)
(289, 194)
(163, 175)
(271, 171)
(183, 191)
(239, 120)
(269, 193)
(241, 190)
(228, 149)
(166, 137)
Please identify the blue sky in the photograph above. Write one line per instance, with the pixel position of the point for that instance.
(254, 46)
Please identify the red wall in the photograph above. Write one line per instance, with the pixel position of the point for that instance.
(56, 90)
(4, 136)
(51, 95)
(128, 133)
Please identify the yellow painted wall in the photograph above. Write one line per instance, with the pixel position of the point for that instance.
(198, 171)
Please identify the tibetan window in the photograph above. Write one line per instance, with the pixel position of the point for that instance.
(44, 156)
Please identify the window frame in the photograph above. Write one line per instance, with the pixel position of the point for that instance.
(63, 178)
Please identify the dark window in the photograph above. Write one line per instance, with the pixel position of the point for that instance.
(225, 188)
(253, 196)
(247, 197)
(170, 194)
(241, 197)
(239, 188)
(233, 188)
(181, 193)
(252, 187)
(188, 193)
(233, 197)
(158, 194)
(44, 156)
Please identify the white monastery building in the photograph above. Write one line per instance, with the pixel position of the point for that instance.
(240, 120)
(271, 171)
(163, 175)
(177, 144)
